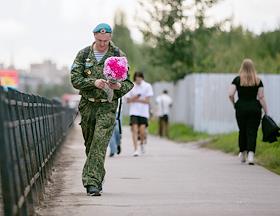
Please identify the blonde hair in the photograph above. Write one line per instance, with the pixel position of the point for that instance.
(248, 74)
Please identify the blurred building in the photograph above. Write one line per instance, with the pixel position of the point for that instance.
(48, 72)
(28, 83)
(39, 74)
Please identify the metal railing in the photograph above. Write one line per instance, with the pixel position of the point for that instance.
(31, 129)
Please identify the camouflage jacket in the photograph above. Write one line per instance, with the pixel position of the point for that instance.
(85, 70)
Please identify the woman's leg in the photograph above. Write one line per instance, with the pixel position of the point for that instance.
(242, 138)
(252, 130)
(142, 129)
(134, 130)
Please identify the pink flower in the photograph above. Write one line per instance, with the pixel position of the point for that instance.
(115, 68)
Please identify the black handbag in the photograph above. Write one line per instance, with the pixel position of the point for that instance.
(270, 129)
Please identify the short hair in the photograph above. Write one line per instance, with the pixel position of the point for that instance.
(138, 74)
(165, 91)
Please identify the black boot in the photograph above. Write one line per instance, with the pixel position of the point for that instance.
(119, 149)
(92, 191)
(100, 188)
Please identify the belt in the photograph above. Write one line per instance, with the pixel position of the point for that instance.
(97, 100)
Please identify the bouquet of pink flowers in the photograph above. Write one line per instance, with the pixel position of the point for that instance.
(115, 70)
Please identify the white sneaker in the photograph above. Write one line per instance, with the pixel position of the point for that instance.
(242, 156)
(136, 153)
(251, 158)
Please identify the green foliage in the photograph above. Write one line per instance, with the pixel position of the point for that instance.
(224, 51)
(122, 38)
(170, 35)
(178, 132)
(267, 155)
(173, 47)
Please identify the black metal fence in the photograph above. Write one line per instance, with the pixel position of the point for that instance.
(31, 129)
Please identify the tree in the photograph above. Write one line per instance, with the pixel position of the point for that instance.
(122, 37)
(169, 33)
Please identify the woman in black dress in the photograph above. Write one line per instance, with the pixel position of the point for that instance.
(248, 108)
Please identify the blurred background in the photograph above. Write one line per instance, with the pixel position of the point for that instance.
(191, 48)
(166, 39)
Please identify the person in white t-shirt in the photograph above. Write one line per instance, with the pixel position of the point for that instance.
(139, 101)
(164, 103)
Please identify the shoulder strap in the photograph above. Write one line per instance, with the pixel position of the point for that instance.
(86, 53)
(118, 116)
(117, 52)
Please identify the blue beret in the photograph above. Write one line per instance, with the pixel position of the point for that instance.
(102, 28)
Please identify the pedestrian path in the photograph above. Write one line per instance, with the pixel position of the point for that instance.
(170, 179)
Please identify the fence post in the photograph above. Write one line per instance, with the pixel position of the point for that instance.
(5, 158)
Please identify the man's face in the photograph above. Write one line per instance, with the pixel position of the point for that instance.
(102, 41)
(138, 80)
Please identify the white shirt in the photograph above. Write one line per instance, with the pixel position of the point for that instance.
(144, 90)
(164, 102)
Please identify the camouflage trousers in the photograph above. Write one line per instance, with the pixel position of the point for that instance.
(98, 120)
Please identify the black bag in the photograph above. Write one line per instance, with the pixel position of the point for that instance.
(270, 129)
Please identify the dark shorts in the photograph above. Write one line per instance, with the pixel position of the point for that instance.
(164, 118)
(139, 120)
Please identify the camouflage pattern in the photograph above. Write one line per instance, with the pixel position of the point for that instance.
(97, 119)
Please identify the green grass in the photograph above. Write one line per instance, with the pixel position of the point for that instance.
(125, 120)
(267, 155)
(178, 132)
(225, 142)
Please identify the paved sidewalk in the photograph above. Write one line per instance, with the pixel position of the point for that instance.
(170, 179)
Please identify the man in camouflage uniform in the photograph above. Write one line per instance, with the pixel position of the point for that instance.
(97, 114)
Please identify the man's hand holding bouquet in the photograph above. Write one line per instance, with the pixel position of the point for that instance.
(115, 70)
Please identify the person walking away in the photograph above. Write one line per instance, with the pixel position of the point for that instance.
(164, 103)
(97, 113)
(115, 141)
(139, 101)
(248, 108)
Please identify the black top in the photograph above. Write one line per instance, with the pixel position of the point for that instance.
(246, 92)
